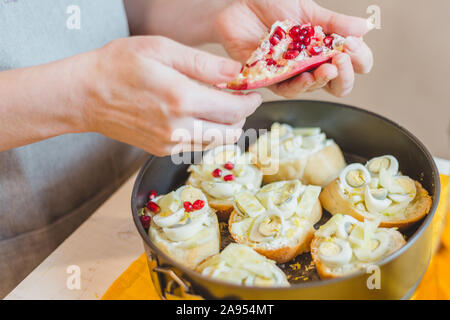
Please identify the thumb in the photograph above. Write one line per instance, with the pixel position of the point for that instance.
(197, 64)
(334, 22)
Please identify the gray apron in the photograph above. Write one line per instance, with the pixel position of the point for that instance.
(49, 188)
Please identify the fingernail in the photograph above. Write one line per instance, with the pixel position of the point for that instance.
(230, 68)
(352, 44)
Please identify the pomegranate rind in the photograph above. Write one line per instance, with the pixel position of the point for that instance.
(300, 67)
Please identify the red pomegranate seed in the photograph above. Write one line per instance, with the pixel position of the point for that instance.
(198, 204)
(315, 50)
(271, 62)
(274, 40)
(153, 207)
(291, 54)
(279, 32)
(295, 31)
(307, 31)
(307, 41)
(145, 221)
(270, 50)
(253, 64)
(228, 166)
(299, 39)
(228, 177)
(328, 41)
(153, 194)
(217, 173)
(188, 206)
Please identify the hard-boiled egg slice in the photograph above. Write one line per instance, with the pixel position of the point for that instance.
(355, 175)
(222, 154)
(221, 190)
(376, 199)
(308, 200)
(375, 248)
(335, 252)
(249, 204)
(281, 196)
(168, 219)
(345, 226)
(191, 194)
(185, 229)
(311, 142)
(281, 131)
(408, 187)
(307, 131)
(266, 227)
(387, 162)
(169, 203)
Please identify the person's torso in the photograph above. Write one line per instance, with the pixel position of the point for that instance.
(42, 183)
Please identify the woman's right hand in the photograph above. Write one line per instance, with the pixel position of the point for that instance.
(139, 90)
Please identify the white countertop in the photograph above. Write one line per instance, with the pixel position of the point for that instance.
(102, 247)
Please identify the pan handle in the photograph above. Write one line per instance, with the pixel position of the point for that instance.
(175, 288)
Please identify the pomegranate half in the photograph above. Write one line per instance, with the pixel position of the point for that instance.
(286, 51)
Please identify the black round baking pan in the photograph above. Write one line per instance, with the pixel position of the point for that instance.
(361, 135)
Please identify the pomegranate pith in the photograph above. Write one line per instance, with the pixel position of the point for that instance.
(217, 173)
(315, 50)
(153, 207)
(291, 54)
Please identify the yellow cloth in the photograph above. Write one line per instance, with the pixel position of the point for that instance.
(135, 283)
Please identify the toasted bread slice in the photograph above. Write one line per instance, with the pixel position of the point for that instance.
(240, 264)
(184, 226)
(287, 249)
(327, 271)
(334, 201)
(317, 166)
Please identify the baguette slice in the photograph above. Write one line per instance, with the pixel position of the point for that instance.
(240, 264)
(292, 243)
(188, 237)
(326, 271)
(317, 167)
(334, 201)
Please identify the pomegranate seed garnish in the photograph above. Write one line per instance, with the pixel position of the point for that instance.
(228, 166)
(145, 221)
(188, 206)
(308, 31)
(299, 39)
(253, 64)
(198, 204)
(291, 54)
(328, 41)
(271, 62)
(295, 31)
(315, 50)
(153, 194)
(307, 41)
(274, 40)
(228, 177)
(279, 32)
(270, 50)
(296, 46)
(153, 207)
(242, 69)
(217, 173)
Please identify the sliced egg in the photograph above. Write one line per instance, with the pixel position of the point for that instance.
(281, 196)
(282, 131)
(353, 176)
(265, 228)
(249, 204)
(376, 199)
(308, 200)
(307, 131)
(310, 142)
(191, 194)
(184, 231)
(375, 248)
(222, 154)
(387, 162)
(221, 190)
(345, 226)
(168, 220)
(169, 203)
(335, 252)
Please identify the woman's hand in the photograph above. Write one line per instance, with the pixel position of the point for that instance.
(140, 90)
(242, 23)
